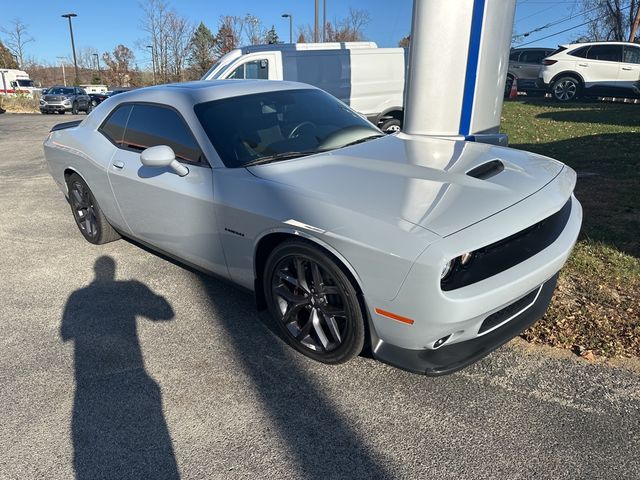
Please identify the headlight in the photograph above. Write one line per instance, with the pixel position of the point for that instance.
(42, 102)
(463, 260)
(447, 269)
(66, 100)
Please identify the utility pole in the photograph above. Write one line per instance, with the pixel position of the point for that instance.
(98, 64)
(153, 62)
(64, 76)
(315, 28)
(69, 16)
(290, 17)
(324, 21)
(635, 26)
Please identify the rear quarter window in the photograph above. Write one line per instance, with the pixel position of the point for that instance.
(115, 124)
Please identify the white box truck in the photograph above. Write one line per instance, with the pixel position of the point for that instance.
(16, 82)
(367, 78)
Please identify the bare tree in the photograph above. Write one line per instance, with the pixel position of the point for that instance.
(347, 29)
(611, 19)
(16, 37)
(180, 31)
(119, 64)
(254, 30)
(229, 36)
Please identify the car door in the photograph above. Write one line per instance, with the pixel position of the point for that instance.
(600, 69)
(171, 213)
(529, 65)
(630, 71)
(83, 99)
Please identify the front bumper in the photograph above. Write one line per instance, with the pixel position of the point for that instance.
(451, 358)
(55, 107)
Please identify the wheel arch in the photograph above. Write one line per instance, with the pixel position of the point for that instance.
(67, 172)
(396, 112)
(568, 73)
(267, 242)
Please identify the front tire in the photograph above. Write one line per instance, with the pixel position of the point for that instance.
(391, 125)
(566, 89)
(313, 302)
(91, 222)
(74, 108)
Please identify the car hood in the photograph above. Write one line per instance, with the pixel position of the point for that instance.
(440, 185)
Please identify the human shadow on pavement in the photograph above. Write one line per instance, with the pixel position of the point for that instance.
(118, 427)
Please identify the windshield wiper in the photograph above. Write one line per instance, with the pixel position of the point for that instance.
(278, 156)
(363, 139)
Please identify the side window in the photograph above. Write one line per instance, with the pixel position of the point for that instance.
(113, 127)
(610, 53)
(151, 125)
(238, 73)
(631, 55)
(513, 57)
(533, 56)
(580, 52)
(82, 91)
(258, 69)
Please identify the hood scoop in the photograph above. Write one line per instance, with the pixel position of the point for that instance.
(487, 170)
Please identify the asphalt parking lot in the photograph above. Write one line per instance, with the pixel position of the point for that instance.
(115, 363)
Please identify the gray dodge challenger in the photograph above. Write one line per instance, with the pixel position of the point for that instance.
(429, 252)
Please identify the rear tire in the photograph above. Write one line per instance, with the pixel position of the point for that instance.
(392, 125)
(91, 222)
(313, 302)
(566, 89)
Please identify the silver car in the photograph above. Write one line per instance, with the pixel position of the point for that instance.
(431, 252)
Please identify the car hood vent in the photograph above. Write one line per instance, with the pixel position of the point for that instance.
(487, 170)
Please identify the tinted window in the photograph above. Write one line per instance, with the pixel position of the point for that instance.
(152, 125)
(631, 55)
(514, 56)
(580, 52)
(61, 91)
(611, 53)
(533, 56)
(114, 125)
(250, 127)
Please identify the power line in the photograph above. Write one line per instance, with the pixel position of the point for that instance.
(566, 30)
(557, 22)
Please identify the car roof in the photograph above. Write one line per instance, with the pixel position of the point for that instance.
(586, 44)
(208, 90)
(519, 49)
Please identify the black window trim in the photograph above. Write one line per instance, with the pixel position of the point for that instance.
(204, 161)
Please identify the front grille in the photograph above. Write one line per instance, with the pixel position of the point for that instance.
(508, 252)
(507, 312)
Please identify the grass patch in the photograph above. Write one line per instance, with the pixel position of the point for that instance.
(20, 103)
(597, 304)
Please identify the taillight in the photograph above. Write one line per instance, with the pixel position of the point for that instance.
(549, 62)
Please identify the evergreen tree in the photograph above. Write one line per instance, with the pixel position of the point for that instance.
(6, 59)
(272, 36)
(203, 44)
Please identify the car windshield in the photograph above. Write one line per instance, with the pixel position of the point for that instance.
(61, 91)
(25, 83)
(271, 126)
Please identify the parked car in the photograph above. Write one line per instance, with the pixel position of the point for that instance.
(433, 251)
(367, 78)
(524, 67)
(98, 98)
(65, 99)
(602, 69)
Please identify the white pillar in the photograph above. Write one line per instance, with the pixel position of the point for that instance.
(458, 61)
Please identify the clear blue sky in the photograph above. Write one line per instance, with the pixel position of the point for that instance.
(104, 24)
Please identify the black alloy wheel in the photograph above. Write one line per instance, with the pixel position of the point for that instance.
(89, 218)
(314, 303)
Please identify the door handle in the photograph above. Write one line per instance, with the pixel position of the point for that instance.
(118, 164)
(627, 68)
(583, 64)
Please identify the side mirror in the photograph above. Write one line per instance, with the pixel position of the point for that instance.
(162, 156)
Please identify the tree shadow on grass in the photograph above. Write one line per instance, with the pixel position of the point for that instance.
(118, 427)
(608, 184)
(623, 115)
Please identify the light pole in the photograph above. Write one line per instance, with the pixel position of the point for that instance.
(69, 16)
(324, 20)
(64, 76)
(153, 62)
(316, 38)
(290, 17)
(98, 64)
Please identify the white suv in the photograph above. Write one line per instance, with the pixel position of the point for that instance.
(604, 69)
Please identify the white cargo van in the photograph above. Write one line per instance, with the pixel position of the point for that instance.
(95, 88)
(16, 82)
(367, 78)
